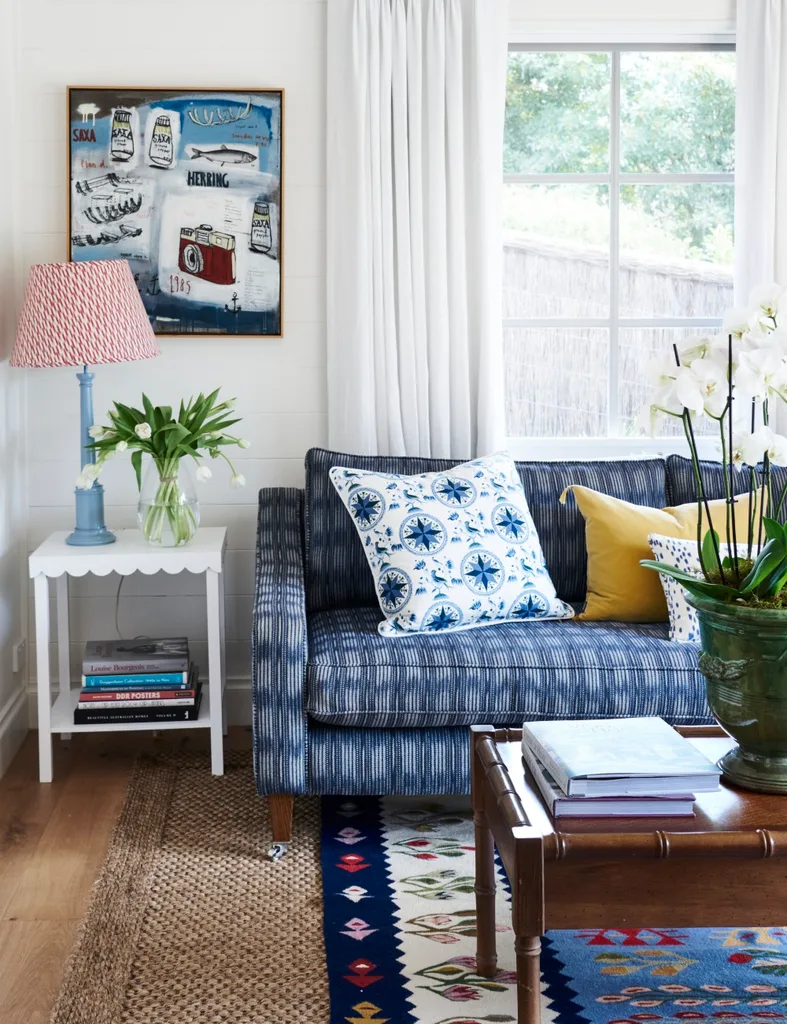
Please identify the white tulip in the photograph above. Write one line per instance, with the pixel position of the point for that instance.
(203, 473)
(238, 480)
(243, 443)
(96, 432)
(84, 483)
(121, 446)
(143, 431)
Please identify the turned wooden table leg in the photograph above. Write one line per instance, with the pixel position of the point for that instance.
(528, 975)
(486, 950)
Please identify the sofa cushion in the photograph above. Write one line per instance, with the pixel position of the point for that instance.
(337, 574)
(681, 487)
(450, 551)
(500, 675)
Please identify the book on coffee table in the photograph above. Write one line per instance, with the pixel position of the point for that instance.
(619, 757)
(562, 806)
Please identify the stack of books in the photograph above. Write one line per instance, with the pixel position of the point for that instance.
(616, 767)
(138, 681)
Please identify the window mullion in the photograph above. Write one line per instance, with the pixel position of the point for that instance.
(613, 405)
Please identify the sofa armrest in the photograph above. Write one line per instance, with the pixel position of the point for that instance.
(279, 645)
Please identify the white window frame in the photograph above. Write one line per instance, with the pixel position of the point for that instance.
(613, 445)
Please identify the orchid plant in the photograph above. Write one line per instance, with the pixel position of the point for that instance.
(200, 430)
(732, 379)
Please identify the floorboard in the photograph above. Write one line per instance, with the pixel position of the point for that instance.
(53, 839)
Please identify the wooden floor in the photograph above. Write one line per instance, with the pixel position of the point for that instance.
(52, 841)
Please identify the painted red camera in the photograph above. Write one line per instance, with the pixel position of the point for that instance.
(207, 254)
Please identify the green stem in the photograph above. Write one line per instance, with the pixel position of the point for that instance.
(728, 493)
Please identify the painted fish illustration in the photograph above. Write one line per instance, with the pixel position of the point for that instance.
(224, 156)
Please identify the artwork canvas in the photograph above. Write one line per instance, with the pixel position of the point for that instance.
(186, 186)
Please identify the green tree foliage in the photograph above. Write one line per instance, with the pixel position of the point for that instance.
(677, 114)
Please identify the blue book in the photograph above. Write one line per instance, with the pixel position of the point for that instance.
(142, 681)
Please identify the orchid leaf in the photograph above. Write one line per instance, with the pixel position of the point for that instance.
(710, 549)
(693, 584)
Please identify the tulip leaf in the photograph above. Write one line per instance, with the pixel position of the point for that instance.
(136, 462)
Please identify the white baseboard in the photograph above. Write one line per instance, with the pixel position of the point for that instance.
(13, 727)
(237, 698)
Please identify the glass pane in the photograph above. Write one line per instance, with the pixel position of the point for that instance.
(556, 382)
(677, 111)
(557, 113)
(637, 348)
(675, 250)
(556, 250)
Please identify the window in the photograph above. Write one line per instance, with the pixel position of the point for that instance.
(618, 219)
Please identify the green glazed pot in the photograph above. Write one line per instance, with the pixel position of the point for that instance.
(744, 661)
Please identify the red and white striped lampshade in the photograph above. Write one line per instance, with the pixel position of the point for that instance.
(77, 314)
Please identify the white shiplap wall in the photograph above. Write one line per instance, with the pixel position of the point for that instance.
(279, 383)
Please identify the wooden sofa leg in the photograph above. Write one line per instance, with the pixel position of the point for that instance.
(280, 807)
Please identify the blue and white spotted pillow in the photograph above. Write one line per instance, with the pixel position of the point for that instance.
(450, 550)
(682, 554)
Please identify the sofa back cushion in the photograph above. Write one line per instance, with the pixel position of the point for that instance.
(681, 487)
(337, 573)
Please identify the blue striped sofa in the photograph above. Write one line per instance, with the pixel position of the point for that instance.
(340, 709)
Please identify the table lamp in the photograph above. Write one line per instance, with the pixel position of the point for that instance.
(77, 314)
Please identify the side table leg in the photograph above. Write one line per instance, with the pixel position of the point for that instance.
(41, 591)
(63, 641)
(528, 974)
(486, 947)
(215, 675)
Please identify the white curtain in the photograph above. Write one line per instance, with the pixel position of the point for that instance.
(416, 92)
(760, 145)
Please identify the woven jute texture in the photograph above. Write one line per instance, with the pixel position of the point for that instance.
(189, 922)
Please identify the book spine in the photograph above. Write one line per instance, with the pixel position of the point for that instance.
(131, 697)
(154, 702)
(535, 770)
(90, 716)
(555, 767)
(141, 681)
(107, 667)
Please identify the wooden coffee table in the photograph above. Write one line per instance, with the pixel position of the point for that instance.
(721, 867)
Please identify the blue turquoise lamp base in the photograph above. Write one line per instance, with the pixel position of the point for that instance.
(90, 527)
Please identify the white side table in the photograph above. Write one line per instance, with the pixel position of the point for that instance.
(55, 559)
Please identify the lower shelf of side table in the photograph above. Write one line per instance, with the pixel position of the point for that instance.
(63, 717)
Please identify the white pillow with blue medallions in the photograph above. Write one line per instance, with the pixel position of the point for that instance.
(450, 550)
(682, 554)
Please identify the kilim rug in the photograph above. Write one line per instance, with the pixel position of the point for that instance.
(400, 939)
(189, 923)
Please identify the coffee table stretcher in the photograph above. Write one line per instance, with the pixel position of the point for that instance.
(607, 878)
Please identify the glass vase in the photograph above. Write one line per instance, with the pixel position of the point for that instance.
(168, 509)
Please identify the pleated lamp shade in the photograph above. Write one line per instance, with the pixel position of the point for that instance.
(81, 314)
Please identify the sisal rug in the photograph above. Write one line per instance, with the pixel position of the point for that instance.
(189, 923)
(369, 919)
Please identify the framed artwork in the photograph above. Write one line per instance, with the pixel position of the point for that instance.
(185, 184)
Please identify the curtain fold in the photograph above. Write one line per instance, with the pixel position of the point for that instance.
(415, 107)
(760, 145)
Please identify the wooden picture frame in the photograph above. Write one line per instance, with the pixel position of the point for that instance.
(185, 184)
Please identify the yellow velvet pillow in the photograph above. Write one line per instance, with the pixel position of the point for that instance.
(616, 533)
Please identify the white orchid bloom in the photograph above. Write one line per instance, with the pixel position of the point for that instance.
(754, 445)
(143, 431)
(665, 403)
(238, 480)
(765, 298)
(711, 377)
(693, 349)
(738, 449)
(736, 322)
(777, 450)
(761, 372)
(203, 474)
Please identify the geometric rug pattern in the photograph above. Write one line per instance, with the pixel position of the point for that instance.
(400, 938)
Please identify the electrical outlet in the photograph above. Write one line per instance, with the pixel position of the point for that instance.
(18, 652)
